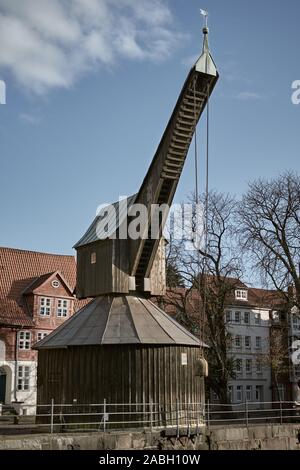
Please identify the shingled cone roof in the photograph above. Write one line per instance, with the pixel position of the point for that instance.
(119, 319)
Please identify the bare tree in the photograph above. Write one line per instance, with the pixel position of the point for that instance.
(210, 274)
(269, 216)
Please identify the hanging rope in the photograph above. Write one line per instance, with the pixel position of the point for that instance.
(202, 311)
(206, 214)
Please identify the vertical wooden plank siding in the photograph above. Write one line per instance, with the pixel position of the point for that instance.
(120, 374)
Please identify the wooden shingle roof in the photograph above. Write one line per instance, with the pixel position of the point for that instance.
(119, 319)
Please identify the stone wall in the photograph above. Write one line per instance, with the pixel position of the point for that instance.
(258, 437)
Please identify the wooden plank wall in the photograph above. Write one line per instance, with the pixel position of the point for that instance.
(120, 374)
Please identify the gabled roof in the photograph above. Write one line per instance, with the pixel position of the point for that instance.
(18, 270)
(96, 232)
(41, 280)
(119, 320)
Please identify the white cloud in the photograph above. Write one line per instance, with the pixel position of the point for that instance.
(50, 43)
(29, 118)
(248, 95)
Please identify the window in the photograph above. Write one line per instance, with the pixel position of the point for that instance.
(241, 294)
(296, 322)
(238, 366)
(62, 307)
(249, 392)
(257, 318)
(238, 341)
(237, 317)
(276, 317)
(257, 392)
(23, 377)
(24, 340)
(45, 306)
(55, 283)
(230, 393)
(297, 370)
(281, 392)
(258, 367)
(248, 342)
(93, 258)
(41, 335)
(247, 318)
(239, 393)
(228, 316)
(258, 342)
(249, 366)
(229, 341)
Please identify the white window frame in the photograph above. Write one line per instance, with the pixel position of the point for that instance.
(249, 393)
(248, 346)
(259, 367)
(237, 314)
(41, 335)
(228, 316)
(63, 306)
(297, 370)
(241, 294)
(23, 378)
(249, 369)
(295, 321)
(24, 340)
(239, 370)
(257, 319)
(45, 306)
(247, 315)
(258, 342)
(239, 393)
(238, 341)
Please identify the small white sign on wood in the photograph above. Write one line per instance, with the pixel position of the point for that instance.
(184, 359)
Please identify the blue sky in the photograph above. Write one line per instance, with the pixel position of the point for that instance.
(89, 93)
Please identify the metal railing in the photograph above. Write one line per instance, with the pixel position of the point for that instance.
(247, 412)
(105, 416)
(191, 417)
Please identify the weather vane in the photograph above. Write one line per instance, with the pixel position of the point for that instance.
(205, 14)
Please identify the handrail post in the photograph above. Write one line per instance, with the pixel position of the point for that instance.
(280, 403)
(104, 415)
(52, 416)
(177, 418)
(151, 415)
(208, 414)
(188, 419)
(246, 412)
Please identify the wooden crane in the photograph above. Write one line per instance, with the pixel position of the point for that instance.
(108, 263)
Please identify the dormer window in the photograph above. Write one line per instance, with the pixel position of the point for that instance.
(45, 306)
(241, 294)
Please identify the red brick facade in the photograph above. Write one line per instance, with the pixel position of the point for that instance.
(36, 296)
